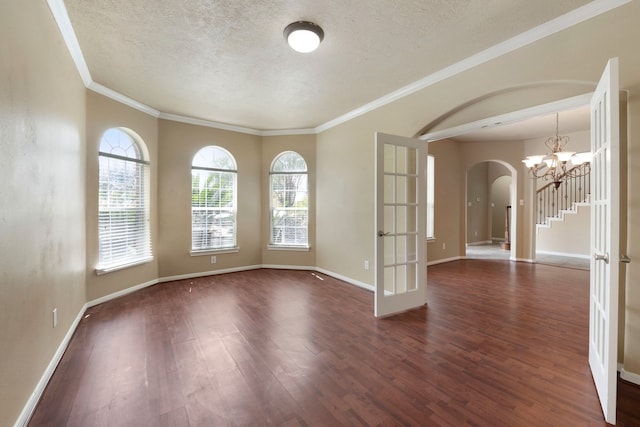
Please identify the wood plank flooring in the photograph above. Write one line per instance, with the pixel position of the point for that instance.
(498, 344)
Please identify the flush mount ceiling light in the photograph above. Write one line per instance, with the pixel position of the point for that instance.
(303, 36)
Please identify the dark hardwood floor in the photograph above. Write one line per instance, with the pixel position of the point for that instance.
(499, 344)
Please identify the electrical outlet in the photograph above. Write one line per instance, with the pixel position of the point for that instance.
(366, 264)
(55, 317)
(213, 259)
(476, 234)
(444, 246)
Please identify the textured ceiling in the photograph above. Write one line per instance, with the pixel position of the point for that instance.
(227, 61)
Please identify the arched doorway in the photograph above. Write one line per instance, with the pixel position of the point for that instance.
(489, 201)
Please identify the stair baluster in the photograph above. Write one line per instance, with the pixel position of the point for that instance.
(552, 201)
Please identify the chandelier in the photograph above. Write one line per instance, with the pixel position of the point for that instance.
(558, 165)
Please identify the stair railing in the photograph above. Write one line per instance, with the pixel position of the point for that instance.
(552, 199)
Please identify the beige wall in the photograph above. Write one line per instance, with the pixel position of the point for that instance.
(103, 114)
(42, 202)
(449, 218)
(478, 192)
(570, 236)
(179, 142)
(631, 293)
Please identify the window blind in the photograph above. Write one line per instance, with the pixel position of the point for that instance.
(213, 200)
(289, 200)
(124, 232)
(213, 213)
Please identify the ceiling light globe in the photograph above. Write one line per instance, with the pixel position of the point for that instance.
(303, 41)
(564, 156)
(303, 37)
(535, 160)
(580, 158)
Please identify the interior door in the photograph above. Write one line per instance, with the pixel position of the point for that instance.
(605, 230)
(400, 259)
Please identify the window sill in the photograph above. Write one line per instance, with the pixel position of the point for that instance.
(110, 269)
(298, 248)
(206, 252)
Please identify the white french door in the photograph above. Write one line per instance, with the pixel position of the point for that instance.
(400, 259)
(605, 230)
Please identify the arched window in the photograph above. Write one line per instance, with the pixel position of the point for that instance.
(289, 200)
(124, 235)
(213, 200)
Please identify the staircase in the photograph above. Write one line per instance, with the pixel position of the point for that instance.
(567, 237)
(554, 200)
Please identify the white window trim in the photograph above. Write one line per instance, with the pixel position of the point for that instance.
(431, 178)
(234, 210)
(231, 250)
(110, 269)
(289, 247)
(140, 159)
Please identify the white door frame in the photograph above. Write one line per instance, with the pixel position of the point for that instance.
(400, 221)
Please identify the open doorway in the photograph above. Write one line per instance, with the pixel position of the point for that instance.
(605, 231)
(528, 129)
(489, 204)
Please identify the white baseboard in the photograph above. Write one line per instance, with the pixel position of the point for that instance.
(565, 254)
(630, 376)
(28, 409)
(208, 273)
(443, 260)
(484, 242)
(121, 293)
(288, 267)
(349, 280)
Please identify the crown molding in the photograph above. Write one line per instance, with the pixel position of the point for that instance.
(285, 132)
(234, 128)
(576, 16)
(123, 99)
(60, 15)
(209, 123)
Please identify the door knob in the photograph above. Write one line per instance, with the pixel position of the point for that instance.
(625, 259)
(382, 233)
(601, 257)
